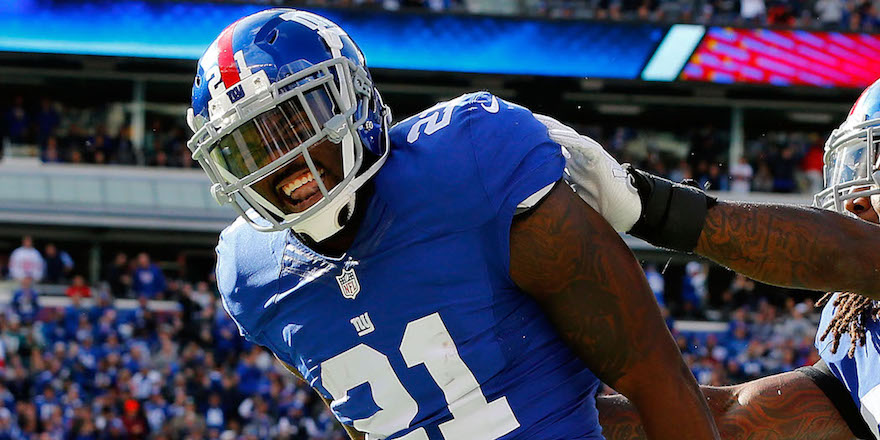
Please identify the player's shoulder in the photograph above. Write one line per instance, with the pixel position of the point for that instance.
(248, 263)
(460, 156)
(456, 120)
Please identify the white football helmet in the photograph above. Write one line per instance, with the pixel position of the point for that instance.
(287, 122)
(852, 164)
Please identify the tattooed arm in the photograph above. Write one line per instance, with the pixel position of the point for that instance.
(352, 433)
(594, 292)
(787, 406)
(793, 246)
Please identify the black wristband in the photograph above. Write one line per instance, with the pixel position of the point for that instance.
(673, 214)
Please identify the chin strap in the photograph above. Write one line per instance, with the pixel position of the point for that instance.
(673, 214)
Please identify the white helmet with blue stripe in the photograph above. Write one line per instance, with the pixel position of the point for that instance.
(852, 164)
(288, 125)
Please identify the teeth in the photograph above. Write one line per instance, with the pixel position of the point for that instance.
(292, 186)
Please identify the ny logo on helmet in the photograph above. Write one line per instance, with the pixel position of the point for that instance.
(235, 93)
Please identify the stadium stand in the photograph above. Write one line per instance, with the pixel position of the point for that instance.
(781, 161)
(89, 366)
(851, 15)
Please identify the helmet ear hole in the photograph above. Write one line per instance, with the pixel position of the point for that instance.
(198, 81)
(272, 37)
(343, 216)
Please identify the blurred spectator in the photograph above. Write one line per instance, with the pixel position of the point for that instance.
(16, 121)
(716, 179)
(147, 279)
(134, 421)
(58, 264)
(693, 290)
(813, 164)
(214, 415)
(763, 181)
(47, 121)
(753, 10)
(657, 283)
(51, 153)
(830, 13)
(117, 276)
(79, 288)
(24, 301)
(784, 166)
(188, 424)
(25, 261)
(741, 176)
(796, 326)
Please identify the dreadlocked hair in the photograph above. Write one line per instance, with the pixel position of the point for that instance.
(851, 315)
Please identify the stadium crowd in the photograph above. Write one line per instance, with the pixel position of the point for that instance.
(789, 162)
(832, 15)
(95, 369)
(778, 161)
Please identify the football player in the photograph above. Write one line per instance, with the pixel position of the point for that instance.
(388, 267)
(839, 397)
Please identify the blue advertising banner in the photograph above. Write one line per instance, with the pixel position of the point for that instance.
(428, 42)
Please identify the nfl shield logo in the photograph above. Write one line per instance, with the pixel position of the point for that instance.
(348, 283)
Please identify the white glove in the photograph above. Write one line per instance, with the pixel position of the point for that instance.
(595, 176)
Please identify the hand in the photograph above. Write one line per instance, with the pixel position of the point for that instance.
(595, 176)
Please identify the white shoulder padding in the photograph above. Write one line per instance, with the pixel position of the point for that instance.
(596, 176)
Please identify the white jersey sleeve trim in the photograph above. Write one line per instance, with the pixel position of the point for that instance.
(532, 200)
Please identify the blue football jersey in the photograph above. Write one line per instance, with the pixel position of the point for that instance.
(859, 374)
(418, 331)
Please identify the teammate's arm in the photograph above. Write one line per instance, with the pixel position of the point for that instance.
(352, 433)
(787, 406)
(567, 257)
(785, 245)
(794, 246)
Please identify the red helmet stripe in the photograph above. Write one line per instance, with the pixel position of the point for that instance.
(226, 58)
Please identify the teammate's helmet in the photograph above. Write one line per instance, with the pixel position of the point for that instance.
(852, 168)
(274, 87)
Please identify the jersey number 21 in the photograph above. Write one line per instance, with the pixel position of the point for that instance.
(425, 341)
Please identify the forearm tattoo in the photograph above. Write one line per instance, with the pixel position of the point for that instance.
(793, 246)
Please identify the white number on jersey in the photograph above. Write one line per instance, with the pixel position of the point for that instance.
(425, 341)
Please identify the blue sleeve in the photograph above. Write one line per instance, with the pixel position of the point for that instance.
(514, 154)
(248, 265)
(226, 273)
